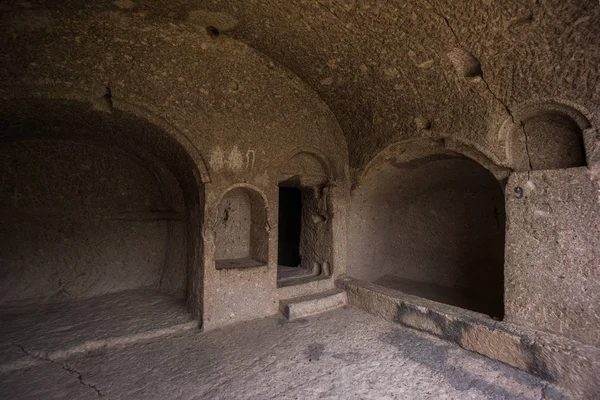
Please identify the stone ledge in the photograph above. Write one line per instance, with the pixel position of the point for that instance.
(305, 306)
(560, 361)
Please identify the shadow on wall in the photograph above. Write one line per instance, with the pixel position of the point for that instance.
(92, 203)
(431, 227)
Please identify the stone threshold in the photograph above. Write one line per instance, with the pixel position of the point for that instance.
(563, 362)
(313, 304)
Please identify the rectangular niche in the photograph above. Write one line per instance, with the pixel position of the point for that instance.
(241, 236)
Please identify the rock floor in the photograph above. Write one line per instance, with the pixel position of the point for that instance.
(344, 354)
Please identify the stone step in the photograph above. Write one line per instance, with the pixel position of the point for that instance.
(300, 307)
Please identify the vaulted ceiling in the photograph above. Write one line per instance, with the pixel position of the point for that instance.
(392, 69)
(396, 69)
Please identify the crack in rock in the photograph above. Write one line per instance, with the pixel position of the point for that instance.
(433, 10)
(65, 367)
(527, 147)
(498, 99)
(487, 85)
(327, 9)
(512, 118)
(450, 27)
(543, 391)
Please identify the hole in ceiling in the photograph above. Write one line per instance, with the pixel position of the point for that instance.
(212, 31)
(465, 63)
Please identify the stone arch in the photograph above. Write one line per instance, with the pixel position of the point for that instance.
(410, 149)
(547, 135)
(241, 228)
(99, 141)
(311, 163)
(200, 166)
(106, 105)
(429, 221)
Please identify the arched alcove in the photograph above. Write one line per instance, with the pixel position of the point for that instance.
(305, 238)
(307, 165)
(545, 136)
(241, 235)
(431, 227)
(552, 140)
(93, 203)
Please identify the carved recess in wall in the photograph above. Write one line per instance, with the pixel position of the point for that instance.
(109, 201)
(549, 135)
(241, 235)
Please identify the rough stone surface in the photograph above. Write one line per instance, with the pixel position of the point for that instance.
(202, 97)
(316, 241)
(232, 233)
(342, 354)
(548, 135)
(61, 330)
(67, 207)
(104, 202)
(565, 363)
(242, 229)
(437, 220)
(305, 306)
(238, 115)
(379, 65)
(553, 252)
(553, 141)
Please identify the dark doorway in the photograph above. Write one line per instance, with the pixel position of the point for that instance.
(290, 225)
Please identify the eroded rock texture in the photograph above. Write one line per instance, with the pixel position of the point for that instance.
(437, 149)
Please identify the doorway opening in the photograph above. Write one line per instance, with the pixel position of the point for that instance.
(304, 236)
(290, 227)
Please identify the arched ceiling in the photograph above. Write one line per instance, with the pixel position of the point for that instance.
(382, 66)
(395, 69)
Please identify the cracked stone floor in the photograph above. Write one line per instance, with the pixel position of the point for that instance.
(141, 345)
